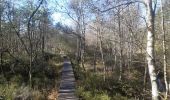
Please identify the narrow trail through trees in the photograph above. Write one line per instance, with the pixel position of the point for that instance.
(67, 84)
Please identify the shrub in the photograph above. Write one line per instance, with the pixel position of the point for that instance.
(119, 97)
(7, 91)
(89, 95)
(22, 93)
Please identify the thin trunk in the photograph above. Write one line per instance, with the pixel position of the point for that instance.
(112, 59)
(1, 37)
(82, 60)
(43, 38)
(120, 44)
(30, 36)
(94, 61)
(30, 69)
(150, 49)
(120, 76)
(77, 52)
(130, 44)
(2, 72)
(30, 55)
(130, 53)
(43, 46)
(79, 42)
(145, 73)
(102, 55)
(83, 30)
(115, 60)
(164, 52)
(82, 53)
(82, 49)
(115, 56)
(145, 78)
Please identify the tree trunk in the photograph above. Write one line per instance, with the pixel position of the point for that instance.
(145, 77)
(102, 55)
(30, 70)
(94, 61)
(82, 48)
(130, 53)
(120, 44)
(1, 37)
(150, 49)
(77, 52)
(83, 31)
(115, 56)
(2, 72)
(164, 52)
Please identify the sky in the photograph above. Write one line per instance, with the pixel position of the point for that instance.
(53, 5)
(58, 5)
(63, 18)
(57, 15)
(60, 17)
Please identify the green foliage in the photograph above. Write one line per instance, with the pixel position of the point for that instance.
(22, 92)
(17, 79)
(7, 91)
(14, 82)
(88, 95)
(38, 95)
(91, 86)
(13, 91)
(25, 93)
(119, 97)
(94, 82)
(78, 71)
(2, 79)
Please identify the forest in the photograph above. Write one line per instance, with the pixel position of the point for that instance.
(118, 49)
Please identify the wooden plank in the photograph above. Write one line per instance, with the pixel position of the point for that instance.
(67, 84)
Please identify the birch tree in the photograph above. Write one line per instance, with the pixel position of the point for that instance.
(150, 14)
(164, 50)
(77, 13)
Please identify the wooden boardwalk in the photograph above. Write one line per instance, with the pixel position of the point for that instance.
(67, 84)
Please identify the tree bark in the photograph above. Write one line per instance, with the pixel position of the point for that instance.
(164, 51)
(150, 48)
(145, 75)
(94, 60)
(120, 44)
(1, 37)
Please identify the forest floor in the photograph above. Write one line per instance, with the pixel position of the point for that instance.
(53, 94)
(45, 80)
(90, 85)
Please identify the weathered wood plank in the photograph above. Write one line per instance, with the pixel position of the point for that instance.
(67, 84)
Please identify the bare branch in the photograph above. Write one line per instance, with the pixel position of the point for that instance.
(19, 36)
(127, 3)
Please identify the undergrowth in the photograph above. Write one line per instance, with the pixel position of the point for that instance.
(92, 86)
(14, 79)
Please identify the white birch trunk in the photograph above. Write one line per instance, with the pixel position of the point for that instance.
(150, 49)
(164, 51)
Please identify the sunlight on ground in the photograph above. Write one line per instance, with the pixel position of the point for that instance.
(53, 95)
